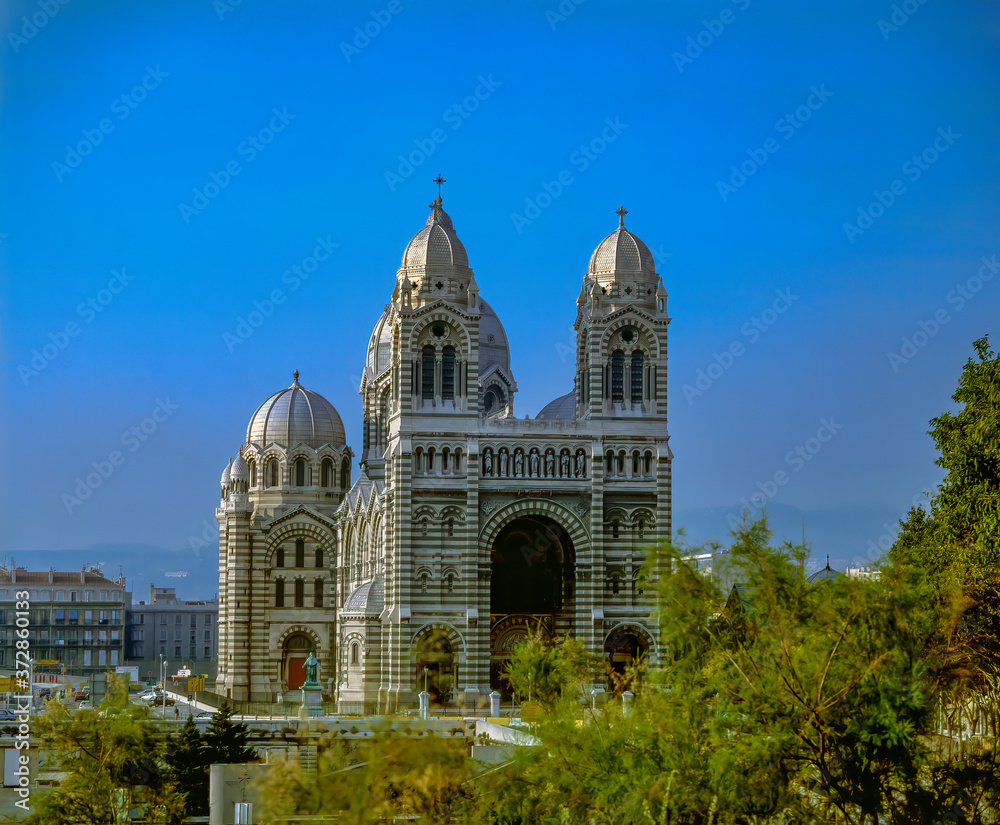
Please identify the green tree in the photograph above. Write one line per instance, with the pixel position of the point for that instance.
(958, 540)
(795, 702)
(226, 741)
(113, 764)
(186, 758)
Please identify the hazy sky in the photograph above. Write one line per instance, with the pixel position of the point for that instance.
(818, 182)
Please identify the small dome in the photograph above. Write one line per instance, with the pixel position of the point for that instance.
(436, 246)
(826, 573)
(380, 346)
(226, 473)
(493, 346)
(296, 415)
(563, 407)
(621, 252)
(366, 600)
(240, 470)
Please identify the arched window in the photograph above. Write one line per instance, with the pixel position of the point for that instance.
(354, 653)
(300, 553)
(279, 593)
(326, 473)
(617, 375)
(611, 463)
(427, 372)
(423, 582)
(637, 361)
(300, 592)
(451, 583)
(614, 529)
(253, 473)
(451, 527)
(318, 593)
(319, 556)
(300, 472)
(279, 557)
(492, 401)
(272, 473)
(448, 373)
(345, 473)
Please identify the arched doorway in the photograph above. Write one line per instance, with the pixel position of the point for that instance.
(532, 583)
(625, 647)
(435, 654)
(293, 660)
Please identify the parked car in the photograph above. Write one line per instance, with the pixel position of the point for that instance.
(80, 695)
(7, 715)
(208, 714)
(85, 704)
(45, 693)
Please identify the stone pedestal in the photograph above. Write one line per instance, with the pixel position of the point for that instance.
(312, 701)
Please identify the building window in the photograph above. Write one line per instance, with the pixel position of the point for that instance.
(208, 653)
(345, 474)
(73, 616)
(136, 635)
(177, 652)
(279, 557)
(253, 473)
(637, 360)
(617, 376)
(318, 593)
(614, 529)
(194, 620)
(451, 583)
(300, 553)
(137, 651)
(192, 650)
(326, 473)
(208, 619)
(163, 618)
(208, 635)
(279, 593)
(319, 556)
(448, 373)
(177, 619)
(138, 618)
(74, 595)
(300, 472)
(354, 653)
(300, 592)
(177, 635)
(88, 617)
(104, 596)
(86, 658)
(427, 373)
(423, 582)
(272, 473)
(163, 635)
(60, 595)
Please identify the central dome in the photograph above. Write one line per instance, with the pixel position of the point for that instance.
(436, 246)
(296, 416)
(621, 252)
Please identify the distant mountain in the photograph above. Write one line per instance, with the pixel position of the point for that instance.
(850, 535)
(194, 573)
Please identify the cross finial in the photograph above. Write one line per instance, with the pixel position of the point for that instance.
(621, 212)
(439, 180)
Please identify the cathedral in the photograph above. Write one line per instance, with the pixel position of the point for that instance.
(465, 527)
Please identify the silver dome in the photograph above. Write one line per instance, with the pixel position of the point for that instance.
(240, 470)
(436, 246)
(366, 600)
(296, 415)
(493, 346)
(621, 252)
(562, 407)
(226, 473)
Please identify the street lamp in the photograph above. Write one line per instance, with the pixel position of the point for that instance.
(163, 683)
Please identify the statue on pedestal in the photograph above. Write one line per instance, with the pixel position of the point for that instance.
(312, 668)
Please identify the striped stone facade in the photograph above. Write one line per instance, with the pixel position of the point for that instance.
(467, 527)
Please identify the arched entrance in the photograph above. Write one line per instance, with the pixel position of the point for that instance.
(531, 584)
(293, 660)
(435, 654)
(625, 646)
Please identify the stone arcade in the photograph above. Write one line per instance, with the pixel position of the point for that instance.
(466, 526)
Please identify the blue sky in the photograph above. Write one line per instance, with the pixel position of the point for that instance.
(862, 215)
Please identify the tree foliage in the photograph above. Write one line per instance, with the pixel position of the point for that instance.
(113, 764)
(958, 540)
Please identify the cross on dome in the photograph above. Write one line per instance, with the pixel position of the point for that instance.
(621, 212)
(439, 180)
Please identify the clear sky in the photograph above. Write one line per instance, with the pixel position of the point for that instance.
(818, 182)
